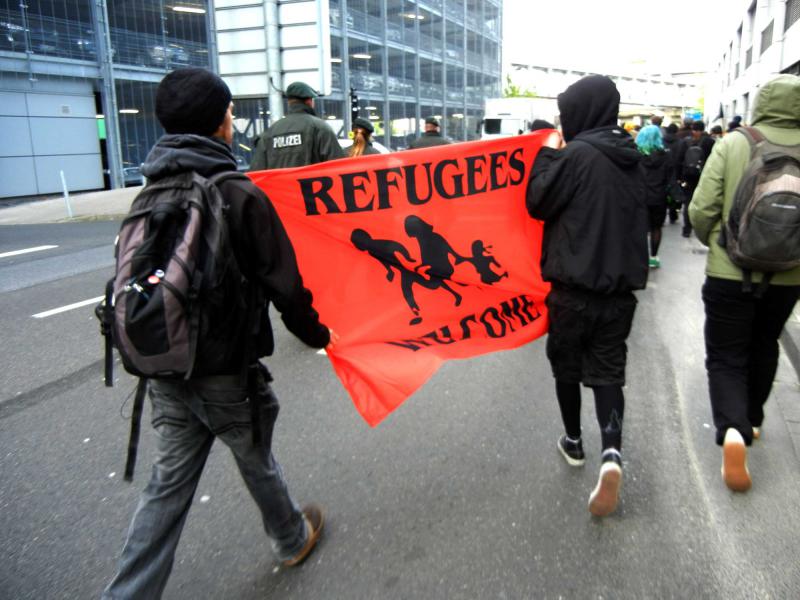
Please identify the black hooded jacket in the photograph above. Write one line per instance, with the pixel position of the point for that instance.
(262, 248)
(590, 196)
(656, 170)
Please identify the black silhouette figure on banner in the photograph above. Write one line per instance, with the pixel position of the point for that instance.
(483, 260)
(434, 268)
(385, 252)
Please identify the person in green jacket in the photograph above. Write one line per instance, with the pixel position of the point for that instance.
(741, 330)
(300, 138)
(430, 137)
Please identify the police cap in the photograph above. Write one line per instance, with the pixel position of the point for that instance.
(432, 121)
(363, 124)
(301, 90)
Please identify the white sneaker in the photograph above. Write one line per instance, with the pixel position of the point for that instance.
(605, 496)
(734, 462)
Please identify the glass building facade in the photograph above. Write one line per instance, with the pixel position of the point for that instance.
(405, 60)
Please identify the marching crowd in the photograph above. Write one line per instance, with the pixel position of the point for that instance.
(603, 196)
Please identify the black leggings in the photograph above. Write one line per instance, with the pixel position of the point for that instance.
(609, 403)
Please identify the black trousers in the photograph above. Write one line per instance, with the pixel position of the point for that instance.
(741, 334)
(688, 192)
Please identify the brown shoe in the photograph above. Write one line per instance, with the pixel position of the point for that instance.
(314, 516)
(734, 462)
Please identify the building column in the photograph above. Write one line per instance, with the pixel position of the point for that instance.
(274, 76)
(109, 94)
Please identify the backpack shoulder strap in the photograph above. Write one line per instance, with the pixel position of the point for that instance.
(136, 420)
(753, 135)
(226, 175)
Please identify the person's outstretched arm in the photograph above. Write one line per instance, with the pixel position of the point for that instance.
(271, 261)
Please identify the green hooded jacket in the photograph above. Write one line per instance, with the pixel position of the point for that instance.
(776, 114)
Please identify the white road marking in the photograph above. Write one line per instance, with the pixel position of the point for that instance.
(26, 251)
(322, 351)
(55, 311)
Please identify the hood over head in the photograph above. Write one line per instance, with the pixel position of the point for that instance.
(178, 153)
(589, 103)
(615, 143)
(778, 103)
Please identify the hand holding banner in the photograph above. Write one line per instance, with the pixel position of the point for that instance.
(415, 258)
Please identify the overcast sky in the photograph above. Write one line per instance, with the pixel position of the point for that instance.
(619, 36)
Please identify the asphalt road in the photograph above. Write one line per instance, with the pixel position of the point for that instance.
(459, 494)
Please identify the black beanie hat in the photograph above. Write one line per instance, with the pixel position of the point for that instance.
(192, 101)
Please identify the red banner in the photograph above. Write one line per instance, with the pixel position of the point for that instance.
(415, 258)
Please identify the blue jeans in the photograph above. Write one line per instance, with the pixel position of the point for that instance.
(187, 416)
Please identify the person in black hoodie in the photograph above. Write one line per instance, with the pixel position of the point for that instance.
(656, 171)
(194, 107)
(689, 169)
(591, 196)
(671, 145)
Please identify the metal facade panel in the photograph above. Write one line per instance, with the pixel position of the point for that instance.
(60, 105)
(53, 135)
(16, 136)
(13, 104)
(240, 18)
(17, 177)
(82, 172)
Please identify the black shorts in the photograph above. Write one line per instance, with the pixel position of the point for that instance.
(656, 215)
(586, 340)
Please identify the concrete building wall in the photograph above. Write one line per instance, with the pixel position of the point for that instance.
(762, 45)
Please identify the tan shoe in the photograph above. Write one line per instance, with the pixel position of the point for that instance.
(314, 516)
(756, 433)
(734, 462)
(603, 499)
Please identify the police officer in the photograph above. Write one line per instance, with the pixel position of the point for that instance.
(300, 138)
(431, 137)
(362, 138)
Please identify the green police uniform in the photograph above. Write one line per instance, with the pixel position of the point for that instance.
(429, 138)
(300, 138)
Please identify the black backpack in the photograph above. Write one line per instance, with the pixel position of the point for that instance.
(178, 304)
(693, 161)
(762, 232)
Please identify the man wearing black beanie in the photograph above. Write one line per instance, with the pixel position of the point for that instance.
(194, 106)
(590, 195)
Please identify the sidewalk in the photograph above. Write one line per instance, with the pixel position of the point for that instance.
(790, 407)
(106, 204)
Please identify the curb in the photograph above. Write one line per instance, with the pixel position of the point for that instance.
(790, 341)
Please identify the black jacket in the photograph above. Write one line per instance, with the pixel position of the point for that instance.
(263, 250)
(300, 138)
(656, 170)
(706, 143)
(590, 196)
(429, 138)
(671, 145)
(370, 149)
